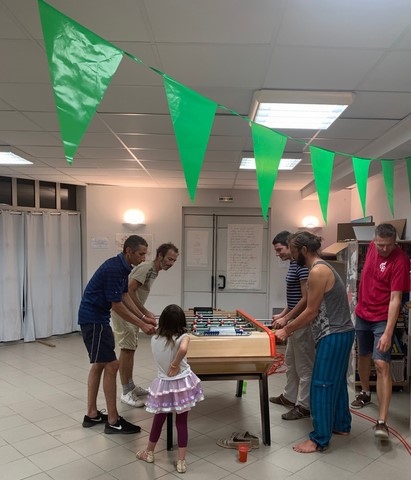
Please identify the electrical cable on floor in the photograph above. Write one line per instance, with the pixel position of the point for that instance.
(279, 362)
(391, 430)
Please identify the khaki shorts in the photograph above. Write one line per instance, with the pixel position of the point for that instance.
(126, 334)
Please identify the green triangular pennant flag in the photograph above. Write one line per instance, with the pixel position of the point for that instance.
(408, 163)
(81, 66)
(268, 150)
(322, 162)
(388, 173)
(192, 116)
(361, 167)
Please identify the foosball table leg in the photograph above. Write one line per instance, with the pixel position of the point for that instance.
(265, 409)
(239, 390)
(169, 431)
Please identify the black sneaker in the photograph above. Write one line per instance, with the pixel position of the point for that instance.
(381, 430)
(122, 426)
(99, 418)
(361, 400)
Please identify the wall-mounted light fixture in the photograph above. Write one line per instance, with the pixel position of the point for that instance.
(133, 219)
(310, 223)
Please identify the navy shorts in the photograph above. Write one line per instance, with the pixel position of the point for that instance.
(99, 341)
(368, 335)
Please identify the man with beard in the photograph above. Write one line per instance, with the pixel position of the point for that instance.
(140, 281)
(299, 354)
(328, 313)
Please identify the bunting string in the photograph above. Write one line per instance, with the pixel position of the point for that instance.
(82, 65)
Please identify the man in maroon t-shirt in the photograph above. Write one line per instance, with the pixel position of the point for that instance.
(384, 278)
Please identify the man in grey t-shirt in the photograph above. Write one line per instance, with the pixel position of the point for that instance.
(140, 282)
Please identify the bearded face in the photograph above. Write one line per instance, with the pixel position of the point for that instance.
(297, 255)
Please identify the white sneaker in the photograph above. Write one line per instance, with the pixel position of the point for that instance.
(131, 399)
(140, 391)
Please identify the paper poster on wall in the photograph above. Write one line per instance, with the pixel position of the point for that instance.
(197, 247)
(99, 242)
(148, 237)
(244, 256)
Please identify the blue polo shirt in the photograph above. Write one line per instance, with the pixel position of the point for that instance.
(107, 285)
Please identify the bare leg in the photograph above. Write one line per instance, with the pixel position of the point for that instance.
(182, 453)
(364, 370)
(384, 388)
(93, 384)
(110, 390)
(306, 447)
(126, 361)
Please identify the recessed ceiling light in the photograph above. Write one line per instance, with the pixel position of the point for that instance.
(248, 163)
(10, 158)
(298, 109)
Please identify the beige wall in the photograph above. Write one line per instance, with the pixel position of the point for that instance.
(104, 207)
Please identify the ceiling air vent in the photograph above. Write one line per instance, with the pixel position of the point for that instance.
(225, 199)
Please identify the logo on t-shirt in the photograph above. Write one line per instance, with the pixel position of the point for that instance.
(383, 266)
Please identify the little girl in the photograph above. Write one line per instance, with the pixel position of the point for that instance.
(176, 388)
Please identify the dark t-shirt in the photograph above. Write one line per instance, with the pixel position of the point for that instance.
(107, 285)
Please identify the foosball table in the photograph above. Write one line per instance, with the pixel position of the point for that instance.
(231, 346)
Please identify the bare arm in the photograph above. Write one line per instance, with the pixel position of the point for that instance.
(133, 286)
(279, 316)
(384, 343)
(299, 308)
(181, 353)
(131, 314)
(320, 281)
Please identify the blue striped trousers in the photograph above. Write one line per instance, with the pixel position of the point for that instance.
(329, 404)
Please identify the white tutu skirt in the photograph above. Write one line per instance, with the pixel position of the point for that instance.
(179, 395)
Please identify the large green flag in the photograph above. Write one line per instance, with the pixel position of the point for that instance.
(81, 66)
(192, 116)
(268, 150)
(361, 167)
(388, 174)
(322, 162)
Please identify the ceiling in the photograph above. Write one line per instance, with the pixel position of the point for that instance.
(225, 50)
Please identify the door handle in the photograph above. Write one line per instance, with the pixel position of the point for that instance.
(221, 285)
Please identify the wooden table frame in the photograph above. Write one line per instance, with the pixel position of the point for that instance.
(264, 400)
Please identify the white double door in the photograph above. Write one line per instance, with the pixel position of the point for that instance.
(226, 260)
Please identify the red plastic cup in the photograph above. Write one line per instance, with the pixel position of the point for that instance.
(242, 452)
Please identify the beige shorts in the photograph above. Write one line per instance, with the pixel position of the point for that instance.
(125, 333)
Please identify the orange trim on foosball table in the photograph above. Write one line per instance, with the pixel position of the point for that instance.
(269, 332)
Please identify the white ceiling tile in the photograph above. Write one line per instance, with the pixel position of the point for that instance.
(211, 65)
(214, 21)
(351, 23)
(305, 68)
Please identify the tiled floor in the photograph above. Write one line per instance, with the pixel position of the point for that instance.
(42, 403)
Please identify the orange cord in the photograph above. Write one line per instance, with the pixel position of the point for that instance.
(279, 363)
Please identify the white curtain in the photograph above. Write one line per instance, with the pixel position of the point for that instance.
(12, 260)
(53, 274)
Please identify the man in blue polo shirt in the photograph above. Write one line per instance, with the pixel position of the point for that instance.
(108, 290)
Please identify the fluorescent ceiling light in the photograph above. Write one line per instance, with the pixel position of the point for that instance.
(9, 158)
(248, 163)
(298, 109)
